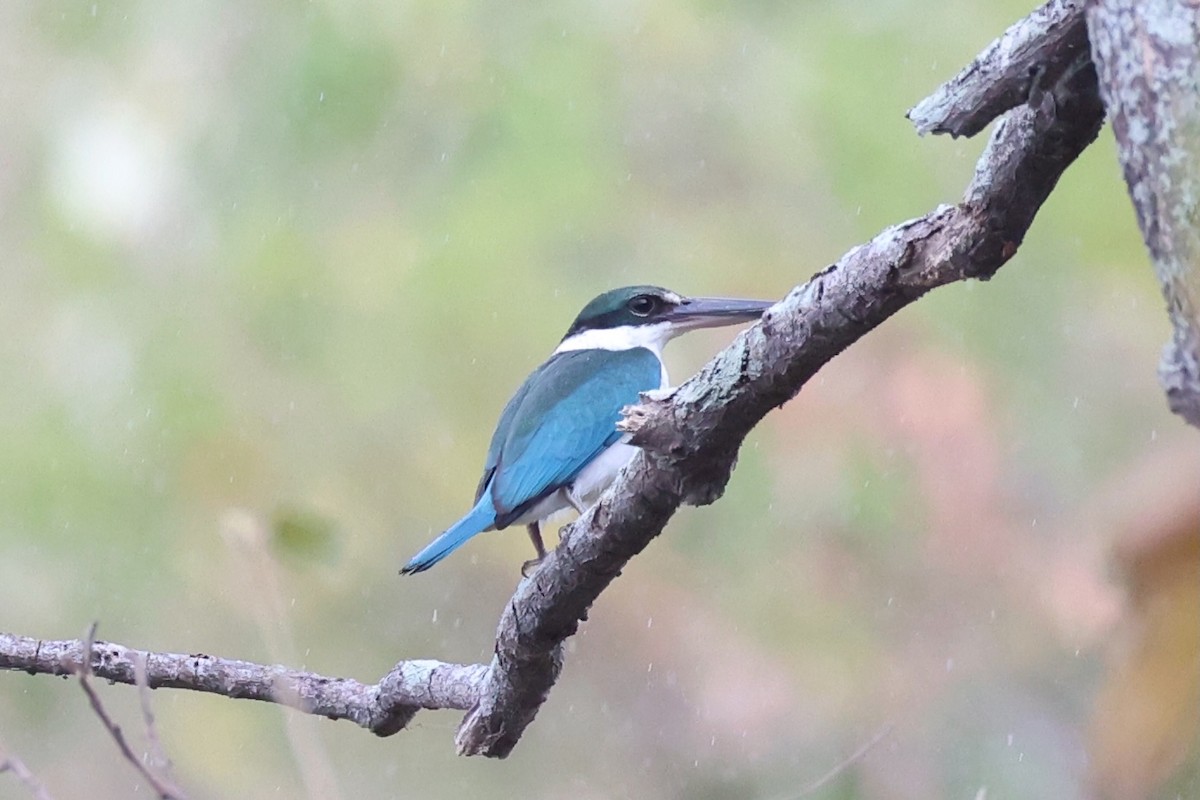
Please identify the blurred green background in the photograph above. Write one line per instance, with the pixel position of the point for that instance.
(271, 269)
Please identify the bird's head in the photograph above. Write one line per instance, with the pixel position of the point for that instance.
(650, 316)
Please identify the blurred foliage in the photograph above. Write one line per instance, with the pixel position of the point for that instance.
(1146, 724)
(304, 535)
(282, 263)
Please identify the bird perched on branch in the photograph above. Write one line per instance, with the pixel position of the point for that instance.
(556, 445)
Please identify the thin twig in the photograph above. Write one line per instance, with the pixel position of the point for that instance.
(246, 536)
(848, 762)
(165, 788)
(158, 753)
(10, 763)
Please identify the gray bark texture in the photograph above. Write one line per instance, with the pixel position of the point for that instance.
(690, 436)
(1029, 56)
(384, 707)
(1038, 75)
(1147, 53)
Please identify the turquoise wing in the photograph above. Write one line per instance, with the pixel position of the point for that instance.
(563, 417)
(501, 433)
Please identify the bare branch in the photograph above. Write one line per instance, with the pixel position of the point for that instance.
(1030, 56)
(257, 574)
(158, 754)
(1148, 57)
(10, 763)
(164, 788)
(383, 708)
(690, 438)
(847, 762)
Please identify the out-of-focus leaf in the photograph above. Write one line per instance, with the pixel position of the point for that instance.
(1146, 728)
(304, 536)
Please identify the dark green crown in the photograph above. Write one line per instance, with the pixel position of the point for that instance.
(629, 305)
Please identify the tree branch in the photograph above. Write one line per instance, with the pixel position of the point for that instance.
(691, 435)
(1031, 55)
(163, 787)
(158, 753)
(1148, 56)
(10, 763)
(383, 708)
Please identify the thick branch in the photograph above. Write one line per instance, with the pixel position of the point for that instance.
(383, 708)
(1148, 56)
(1031, 56)
(690, 439)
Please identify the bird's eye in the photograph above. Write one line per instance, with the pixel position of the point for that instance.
(643, 305)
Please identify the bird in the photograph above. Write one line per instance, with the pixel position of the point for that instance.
(556, 446)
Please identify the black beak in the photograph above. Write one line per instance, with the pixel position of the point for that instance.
(713, 312)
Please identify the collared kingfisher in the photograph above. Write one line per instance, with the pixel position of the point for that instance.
(556, 446)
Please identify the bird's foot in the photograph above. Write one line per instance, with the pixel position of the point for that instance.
(575, 501)
(529, 566)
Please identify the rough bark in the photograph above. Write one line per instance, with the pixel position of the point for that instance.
(1031, 55)
(1148, 58)
(690, 437)
(383, 708)
(692, 434)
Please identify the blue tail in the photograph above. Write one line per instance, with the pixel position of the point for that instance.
(477, 520)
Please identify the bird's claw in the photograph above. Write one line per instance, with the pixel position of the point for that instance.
(528, 566)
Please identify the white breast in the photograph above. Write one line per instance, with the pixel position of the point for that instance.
(599, 473)
(591, 481)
